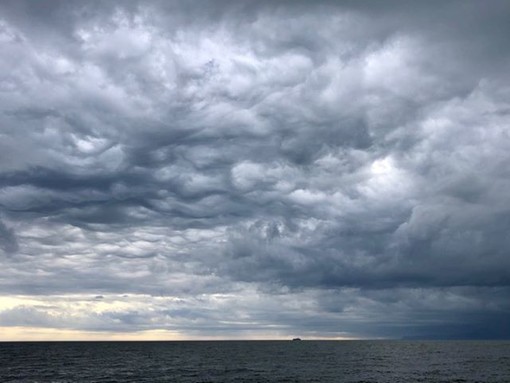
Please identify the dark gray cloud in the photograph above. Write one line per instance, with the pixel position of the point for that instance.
(8, 240)
(277, 167)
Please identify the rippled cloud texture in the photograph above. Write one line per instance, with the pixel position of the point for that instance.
(244, 169)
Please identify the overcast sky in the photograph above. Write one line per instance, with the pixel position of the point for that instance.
(254, 169)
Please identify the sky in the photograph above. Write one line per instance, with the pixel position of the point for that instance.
(254, 169)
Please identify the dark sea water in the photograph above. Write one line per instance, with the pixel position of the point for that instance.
(254, 361)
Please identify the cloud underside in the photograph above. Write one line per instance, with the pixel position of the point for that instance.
(224, 168)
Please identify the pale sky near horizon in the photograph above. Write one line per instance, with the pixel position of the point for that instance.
(254, 169)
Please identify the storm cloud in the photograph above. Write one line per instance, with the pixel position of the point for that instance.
(239, 169)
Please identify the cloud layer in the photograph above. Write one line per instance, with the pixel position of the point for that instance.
(256, 168)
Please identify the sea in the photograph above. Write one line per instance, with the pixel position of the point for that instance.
(256, 361)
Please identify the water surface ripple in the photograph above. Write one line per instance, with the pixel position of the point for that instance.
(256, 361)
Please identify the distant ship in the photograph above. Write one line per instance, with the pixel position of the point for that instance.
(296, 339)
